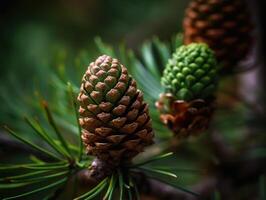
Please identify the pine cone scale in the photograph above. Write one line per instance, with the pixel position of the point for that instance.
(94, 110)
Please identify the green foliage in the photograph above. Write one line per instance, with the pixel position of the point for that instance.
(53, 174)
(122, 180)
(191, 73)
(59, 125)
(65, 159)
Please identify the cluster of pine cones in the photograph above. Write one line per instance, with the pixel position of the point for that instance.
(114, 118)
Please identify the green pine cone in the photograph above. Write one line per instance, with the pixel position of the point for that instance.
(191, 73)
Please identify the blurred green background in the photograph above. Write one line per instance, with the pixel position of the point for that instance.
(32, 31)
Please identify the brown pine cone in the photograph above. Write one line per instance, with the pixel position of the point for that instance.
(225, 25)
(114, 118)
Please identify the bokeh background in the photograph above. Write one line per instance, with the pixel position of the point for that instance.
(32, 30)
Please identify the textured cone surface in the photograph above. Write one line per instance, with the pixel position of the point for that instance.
(191, 73)
(185, 118)
(224, 25)
(114, 118)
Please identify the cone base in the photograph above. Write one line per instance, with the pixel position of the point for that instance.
(185, 118)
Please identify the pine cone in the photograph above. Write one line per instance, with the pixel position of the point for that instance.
(191, 73)
(114, 118)
(224, 25)
(190, 80)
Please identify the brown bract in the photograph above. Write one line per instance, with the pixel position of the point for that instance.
(185, 118)
(114, 118)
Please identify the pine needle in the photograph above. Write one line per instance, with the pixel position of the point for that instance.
(52, 123)
(121, 184)
(31, 144)
(96, 190)
(163, 172)
(153, 159)
(44, 135)
(75, 108)
(52, 185)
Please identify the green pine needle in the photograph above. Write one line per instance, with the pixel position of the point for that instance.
(178, 169)
(123, 55)
(21, 176)
(111, 187)
(52, 185)
(52, 123)
(130, 196)
(40, 178)
(36, 160)
(163, 49)
(153, 159)
(94, 194)
(150, 63)
(121, 184)
(75, 107)
(177, 41)
(147, 82)
(15, 185)
(129, 188)
(31, 144)
(95, 191)
(133, 184)
(44, 135)
(176, 186)
(104, 48)
(163, 172)
(45, 166)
